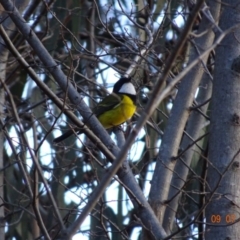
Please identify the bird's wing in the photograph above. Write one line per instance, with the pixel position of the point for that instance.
(108, 103)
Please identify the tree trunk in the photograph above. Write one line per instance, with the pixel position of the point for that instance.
(223, 163)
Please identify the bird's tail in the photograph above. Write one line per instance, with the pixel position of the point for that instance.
(65, 135)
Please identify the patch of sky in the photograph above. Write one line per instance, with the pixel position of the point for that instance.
(136, 233)
(147, 185)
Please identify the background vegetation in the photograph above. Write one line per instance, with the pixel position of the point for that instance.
(172, 172)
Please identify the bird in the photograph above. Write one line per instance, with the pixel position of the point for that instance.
(114, 109)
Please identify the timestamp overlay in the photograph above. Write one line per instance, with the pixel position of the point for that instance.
(228, 218)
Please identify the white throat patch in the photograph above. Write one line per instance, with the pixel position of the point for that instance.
(128, 88)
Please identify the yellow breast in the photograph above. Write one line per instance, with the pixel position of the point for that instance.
(118, 115)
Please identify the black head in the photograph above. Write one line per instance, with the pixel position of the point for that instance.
(124, 86)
